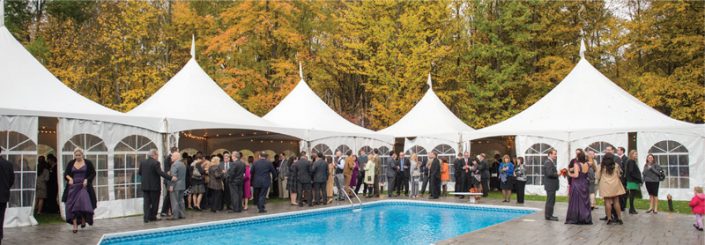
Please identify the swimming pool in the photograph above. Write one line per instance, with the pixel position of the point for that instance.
(380, 222)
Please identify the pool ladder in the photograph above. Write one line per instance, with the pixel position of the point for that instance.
(352, 205)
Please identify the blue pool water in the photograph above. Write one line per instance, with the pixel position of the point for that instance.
(384, 222)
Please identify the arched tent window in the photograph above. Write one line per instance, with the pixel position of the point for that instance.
(383, 158)
(270, 154)
(44, 150)
(21, 151)
(673, 158)
(128, 155)
(323, 149)
(246, 153)
(535, 156)
(599, 149)
(444, 150)
(94, 149)
(420, 152)
(189, 151)
(289, 153)
(344, 149)
(218, 151)
(367, 149)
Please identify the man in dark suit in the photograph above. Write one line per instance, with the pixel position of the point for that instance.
(166, 203)
(392, 170)
(458, 169)
(262, 172)
(235, 176)
(150, 171)
(435, 175)
(320, 177)
(622, 159)
(550, 184)
(7, 179)
(225, 165)
(405, 174)
(362, 162)
(303, 172)
(484, 169)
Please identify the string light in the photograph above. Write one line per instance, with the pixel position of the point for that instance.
(47, 131)
(191, 136)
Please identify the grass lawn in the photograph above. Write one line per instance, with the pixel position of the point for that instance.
(641, 204)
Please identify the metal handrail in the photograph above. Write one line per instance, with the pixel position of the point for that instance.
(352, 205)
(356, 197)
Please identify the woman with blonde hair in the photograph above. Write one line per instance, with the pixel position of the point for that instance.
(369, 178)
(79, 194)
(506, 176)
(415, 166)
(634, 179)
(592, 187)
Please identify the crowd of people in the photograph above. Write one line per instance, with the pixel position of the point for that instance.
(227, 182)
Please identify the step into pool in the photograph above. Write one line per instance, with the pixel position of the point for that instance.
(380, 222)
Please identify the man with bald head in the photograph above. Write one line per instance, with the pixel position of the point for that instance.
(177, 186)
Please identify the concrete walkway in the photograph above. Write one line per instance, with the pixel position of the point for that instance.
(664, 228)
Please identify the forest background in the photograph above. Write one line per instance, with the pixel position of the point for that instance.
(369, 60)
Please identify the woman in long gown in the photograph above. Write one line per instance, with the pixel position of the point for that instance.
(579, 212)
(79, 195)
(355, 172)
(247, 193)
(329, 183)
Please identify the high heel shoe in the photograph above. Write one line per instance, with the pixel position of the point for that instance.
(75, 231)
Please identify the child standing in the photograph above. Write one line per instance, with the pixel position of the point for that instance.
(698, 206)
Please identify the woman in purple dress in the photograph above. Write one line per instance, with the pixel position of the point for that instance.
(579, 199)
(247, 192)
(355, 172)
(79, 195)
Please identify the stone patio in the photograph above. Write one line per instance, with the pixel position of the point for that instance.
(664, 228)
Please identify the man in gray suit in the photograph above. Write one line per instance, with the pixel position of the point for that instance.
(392, 169)
(550, 184)
(320, 177)
(236, 173)
(304, 177)
(177, 186)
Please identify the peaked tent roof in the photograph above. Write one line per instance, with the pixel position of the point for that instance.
(586, 103)
(303, 109)
(429, 118)
(29, 89)
(176, 103)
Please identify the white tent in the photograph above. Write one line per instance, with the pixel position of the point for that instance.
(303, 109)
(430, 125)
(192, 100)
(587, 110)
(30, 91)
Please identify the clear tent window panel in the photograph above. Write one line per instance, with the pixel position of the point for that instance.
(599, 149)
(367, 149)
(384, 158)
(129, 152)
(674, 159)
(94, 149)
(344, 149)
(421, 152)
(535, 156)
(444, 150)
(323, 149)
(21, 151)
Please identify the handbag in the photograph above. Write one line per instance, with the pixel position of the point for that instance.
(661, 175)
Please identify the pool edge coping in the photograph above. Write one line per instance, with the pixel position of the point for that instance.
(219, 222)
